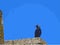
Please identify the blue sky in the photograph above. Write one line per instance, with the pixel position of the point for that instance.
(20, 18)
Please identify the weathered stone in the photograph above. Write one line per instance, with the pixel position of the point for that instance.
(30, 41)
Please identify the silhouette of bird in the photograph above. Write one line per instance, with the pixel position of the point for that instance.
(37, 31)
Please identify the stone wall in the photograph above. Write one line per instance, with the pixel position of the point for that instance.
(30, 41)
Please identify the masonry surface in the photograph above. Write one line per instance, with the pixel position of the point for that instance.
(29, 41)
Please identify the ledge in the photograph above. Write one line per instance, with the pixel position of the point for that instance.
(29, 41)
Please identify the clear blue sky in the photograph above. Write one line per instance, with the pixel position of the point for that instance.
(21, 16)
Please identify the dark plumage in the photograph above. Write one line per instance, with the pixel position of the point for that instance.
(0, 13)
(37, 31)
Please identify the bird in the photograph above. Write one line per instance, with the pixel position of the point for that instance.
(38, 31)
